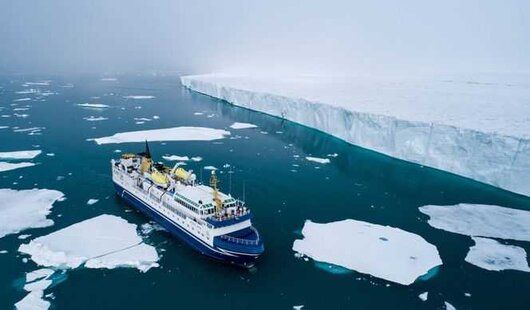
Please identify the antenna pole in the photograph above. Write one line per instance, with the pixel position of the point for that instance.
(244, 191)
(230, 181)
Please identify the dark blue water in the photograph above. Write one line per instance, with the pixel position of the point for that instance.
(357, 184)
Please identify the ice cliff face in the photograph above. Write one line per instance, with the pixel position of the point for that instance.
(494, 156)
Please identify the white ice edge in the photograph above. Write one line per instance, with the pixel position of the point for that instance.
(166, 134)
(382, 251)
(433, 125)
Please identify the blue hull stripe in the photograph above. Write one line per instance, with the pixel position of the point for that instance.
(181, 233)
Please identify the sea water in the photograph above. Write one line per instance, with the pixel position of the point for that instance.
(268, 167)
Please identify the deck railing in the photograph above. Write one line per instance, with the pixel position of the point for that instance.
(242, 241)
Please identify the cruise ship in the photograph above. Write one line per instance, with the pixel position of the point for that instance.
(211, 222)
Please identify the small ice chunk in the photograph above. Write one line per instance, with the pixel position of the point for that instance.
(198, 113)
(196, 158)
(423, 296)
(105, 241)
(492, 255)
(480, 220)
(23, 237)
(23, 209)
(22, 99)
(299, 307)
(166, 134)
(318, 160)
(20, 154)
(50, 154)
(95, 119)
(138, 97)
(381, 251)
(93, 105)
(448, 306)
(91, 201)
(108, 79)
(176, 158)
(237, 125)
(209, 168)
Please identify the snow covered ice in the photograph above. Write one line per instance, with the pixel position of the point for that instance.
(105, 241)
(176, 158)
(20, 154)
(95, 118)
(23, 209)
(474, 126)
(318, 160)
(166, 134)
(92, 201)
(382, 251)
(12, 166)
(242, 125)
(139, 97)
(93, 105)
(492, 255)
(480, 220)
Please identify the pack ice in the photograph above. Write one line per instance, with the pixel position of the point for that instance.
(105, 241)
(382, 251)
(474, 126)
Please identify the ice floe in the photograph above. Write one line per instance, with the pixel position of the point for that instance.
(23, 209)
(318, 160)
(20, 154)
(209, 168)
(105, 241)
(166, 134)
(196, 158)
(448, 306)
(381, 251)
(489, 254)
(33, 301)
(95, 119)
(423, 296)
(22, 99)
(176, 157)
(12, 166)
(91, 201)
(139, 97)
(93, 105)
(242, 125)
(480, 220)
(108, 79)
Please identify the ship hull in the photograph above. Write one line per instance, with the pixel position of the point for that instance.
(241, 259)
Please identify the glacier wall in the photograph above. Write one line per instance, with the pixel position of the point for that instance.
(498, 160)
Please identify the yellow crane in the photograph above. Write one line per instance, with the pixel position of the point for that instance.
(213, 184)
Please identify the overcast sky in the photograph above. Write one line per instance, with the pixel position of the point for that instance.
(309, 37)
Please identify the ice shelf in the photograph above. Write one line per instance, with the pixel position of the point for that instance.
(474, 126)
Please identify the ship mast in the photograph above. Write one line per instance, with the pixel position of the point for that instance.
(213, 183)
